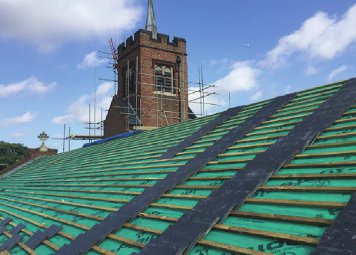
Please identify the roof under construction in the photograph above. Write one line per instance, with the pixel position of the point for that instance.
(274, 177)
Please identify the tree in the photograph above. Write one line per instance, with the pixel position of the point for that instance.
(11, 153)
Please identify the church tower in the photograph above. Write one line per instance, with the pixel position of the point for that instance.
(152, 81)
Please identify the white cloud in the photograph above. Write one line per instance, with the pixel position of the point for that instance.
(91, 60)
(24, 118)
(56, 146)
(336, 72)
(321, 37)
(31, 84)
(18, 134)
(311, 70)
(211, 102)
(257, 95)
(63, 119)
(47, 24)
(57, 136)
(78, 111)
(219, 62)
(288, 89)
(21, 131)
(242, 77)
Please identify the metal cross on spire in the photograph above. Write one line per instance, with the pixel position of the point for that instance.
(151, 20)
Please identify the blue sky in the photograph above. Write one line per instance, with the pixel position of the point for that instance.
(50, 63)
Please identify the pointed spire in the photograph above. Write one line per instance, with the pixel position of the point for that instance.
(151, 20)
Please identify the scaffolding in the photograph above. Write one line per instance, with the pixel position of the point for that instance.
(65, 138)
(162, 115)
(177, 91)
(131, 105)
(92, 127)
(162, 95)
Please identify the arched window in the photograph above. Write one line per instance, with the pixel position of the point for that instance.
(168, 76)
(159, 77)
(164, 78)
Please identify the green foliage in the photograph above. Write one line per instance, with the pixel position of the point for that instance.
(10, 153)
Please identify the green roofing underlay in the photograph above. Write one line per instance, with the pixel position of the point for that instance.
(286, 215)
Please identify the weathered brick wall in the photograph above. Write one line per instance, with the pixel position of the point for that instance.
(149, 52)
(115, 123)
(34, 153)
(161, 52)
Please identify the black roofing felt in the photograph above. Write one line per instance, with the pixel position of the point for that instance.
(15, 238)
(114, 221)
(275, 177)
(33, 242)
(191, 226)
(210, 126)
(340, 238)
(40, 236)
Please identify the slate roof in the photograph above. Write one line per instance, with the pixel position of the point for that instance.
(289, 162)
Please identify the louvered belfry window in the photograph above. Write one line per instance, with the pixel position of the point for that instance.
(164, 78)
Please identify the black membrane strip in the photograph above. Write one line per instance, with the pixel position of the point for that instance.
(114, 221)
(3, 224)
(15, 238)
(40, 236)
(193, 225)
(340, 237)
(205, 129)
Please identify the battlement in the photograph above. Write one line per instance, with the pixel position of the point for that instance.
(144, 38)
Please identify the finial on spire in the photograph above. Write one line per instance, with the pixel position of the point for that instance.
(151, 20)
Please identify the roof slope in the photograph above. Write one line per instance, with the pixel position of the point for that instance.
(287, 214)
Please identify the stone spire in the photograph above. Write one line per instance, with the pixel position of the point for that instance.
(151, 20)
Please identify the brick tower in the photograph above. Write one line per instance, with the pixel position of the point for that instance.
(152, 82)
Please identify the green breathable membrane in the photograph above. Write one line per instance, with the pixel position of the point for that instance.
(296, 167)
(76, 188)
(96, 163)
(107, 151)
(186, 204)
(40, 202)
